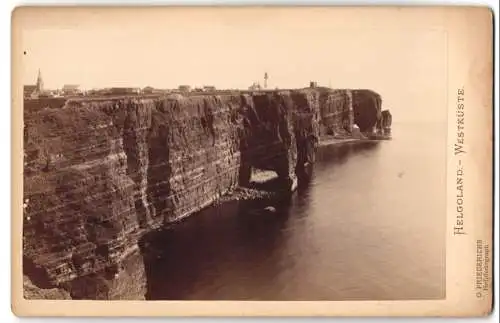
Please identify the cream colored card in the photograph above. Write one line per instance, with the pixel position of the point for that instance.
(255, 161)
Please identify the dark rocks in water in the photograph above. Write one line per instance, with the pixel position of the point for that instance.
(270, 209)
(258, 211)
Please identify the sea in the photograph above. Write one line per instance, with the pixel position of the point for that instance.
(370, 225)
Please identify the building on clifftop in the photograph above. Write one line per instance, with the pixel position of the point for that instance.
(184, 88)
(255, 87)
(71, 89)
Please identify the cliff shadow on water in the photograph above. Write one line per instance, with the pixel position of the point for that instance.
(339, 154)
(228, 239)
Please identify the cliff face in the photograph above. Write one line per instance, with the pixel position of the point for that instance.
(340, 109)
(367, 107)
(280, 132)
(101, 173)
(337, 114)
(79, 216)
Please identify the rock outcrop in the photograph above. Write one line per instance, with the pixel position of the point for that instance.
(34, 292)
(384, 123)
(367, 107)
(100, 173)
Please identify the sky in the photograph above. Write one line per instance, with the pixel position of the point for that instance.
(403, 58)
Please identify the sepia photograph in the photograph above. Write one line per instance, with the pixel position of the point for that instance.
(253, 154)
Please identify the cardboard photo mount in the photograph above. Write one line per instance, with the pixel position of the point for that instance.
(468, 32)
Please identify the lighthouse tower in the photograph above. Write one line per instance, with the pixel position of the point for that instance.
(265, 80)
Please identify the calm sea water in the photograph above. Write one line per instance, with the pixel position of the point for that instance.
(370, 226)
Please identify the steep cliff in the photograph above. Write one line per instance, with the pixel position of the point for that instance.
(79, 216)
(281, 129)
(340, 109)
(367, 107)
(337, 115)
(100, 173)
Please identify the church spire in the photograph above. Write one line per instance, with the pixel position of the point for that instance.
(39, 82)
